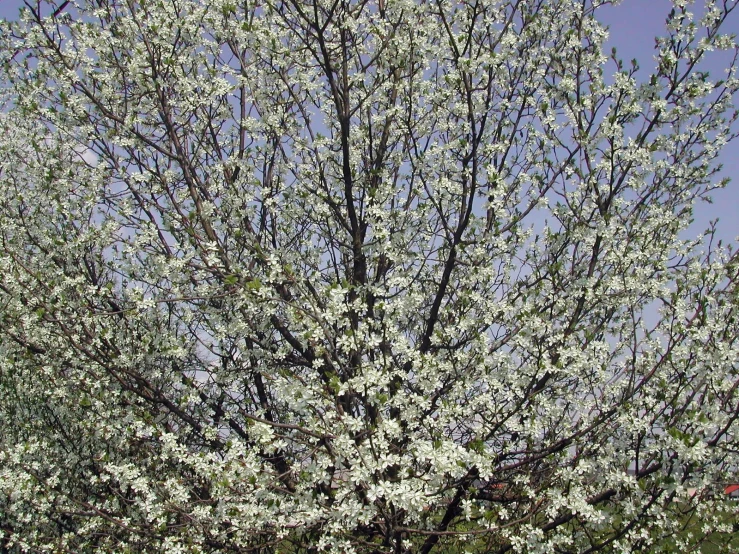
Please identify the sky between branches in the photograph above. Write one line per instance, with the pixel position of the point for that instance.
(633, 26)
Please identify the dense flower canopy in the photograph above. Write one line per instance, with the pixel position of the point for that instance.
(362, 276)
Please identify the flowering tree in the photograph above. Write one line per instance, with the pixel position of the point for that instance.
(358, 276)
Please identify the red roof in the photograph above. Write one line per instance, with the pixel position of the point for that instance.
(731, 488)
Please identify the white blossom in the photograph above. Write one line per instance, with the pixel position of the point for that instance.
(403, 276)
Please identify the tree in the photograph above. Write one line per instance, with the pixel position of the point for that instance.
(327, 275)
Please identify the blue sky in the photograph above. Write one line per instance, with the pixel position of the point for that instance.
(633, 26)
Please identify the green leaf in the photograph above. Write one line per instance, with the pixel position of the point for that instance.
(335, 384)
(476, 446)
